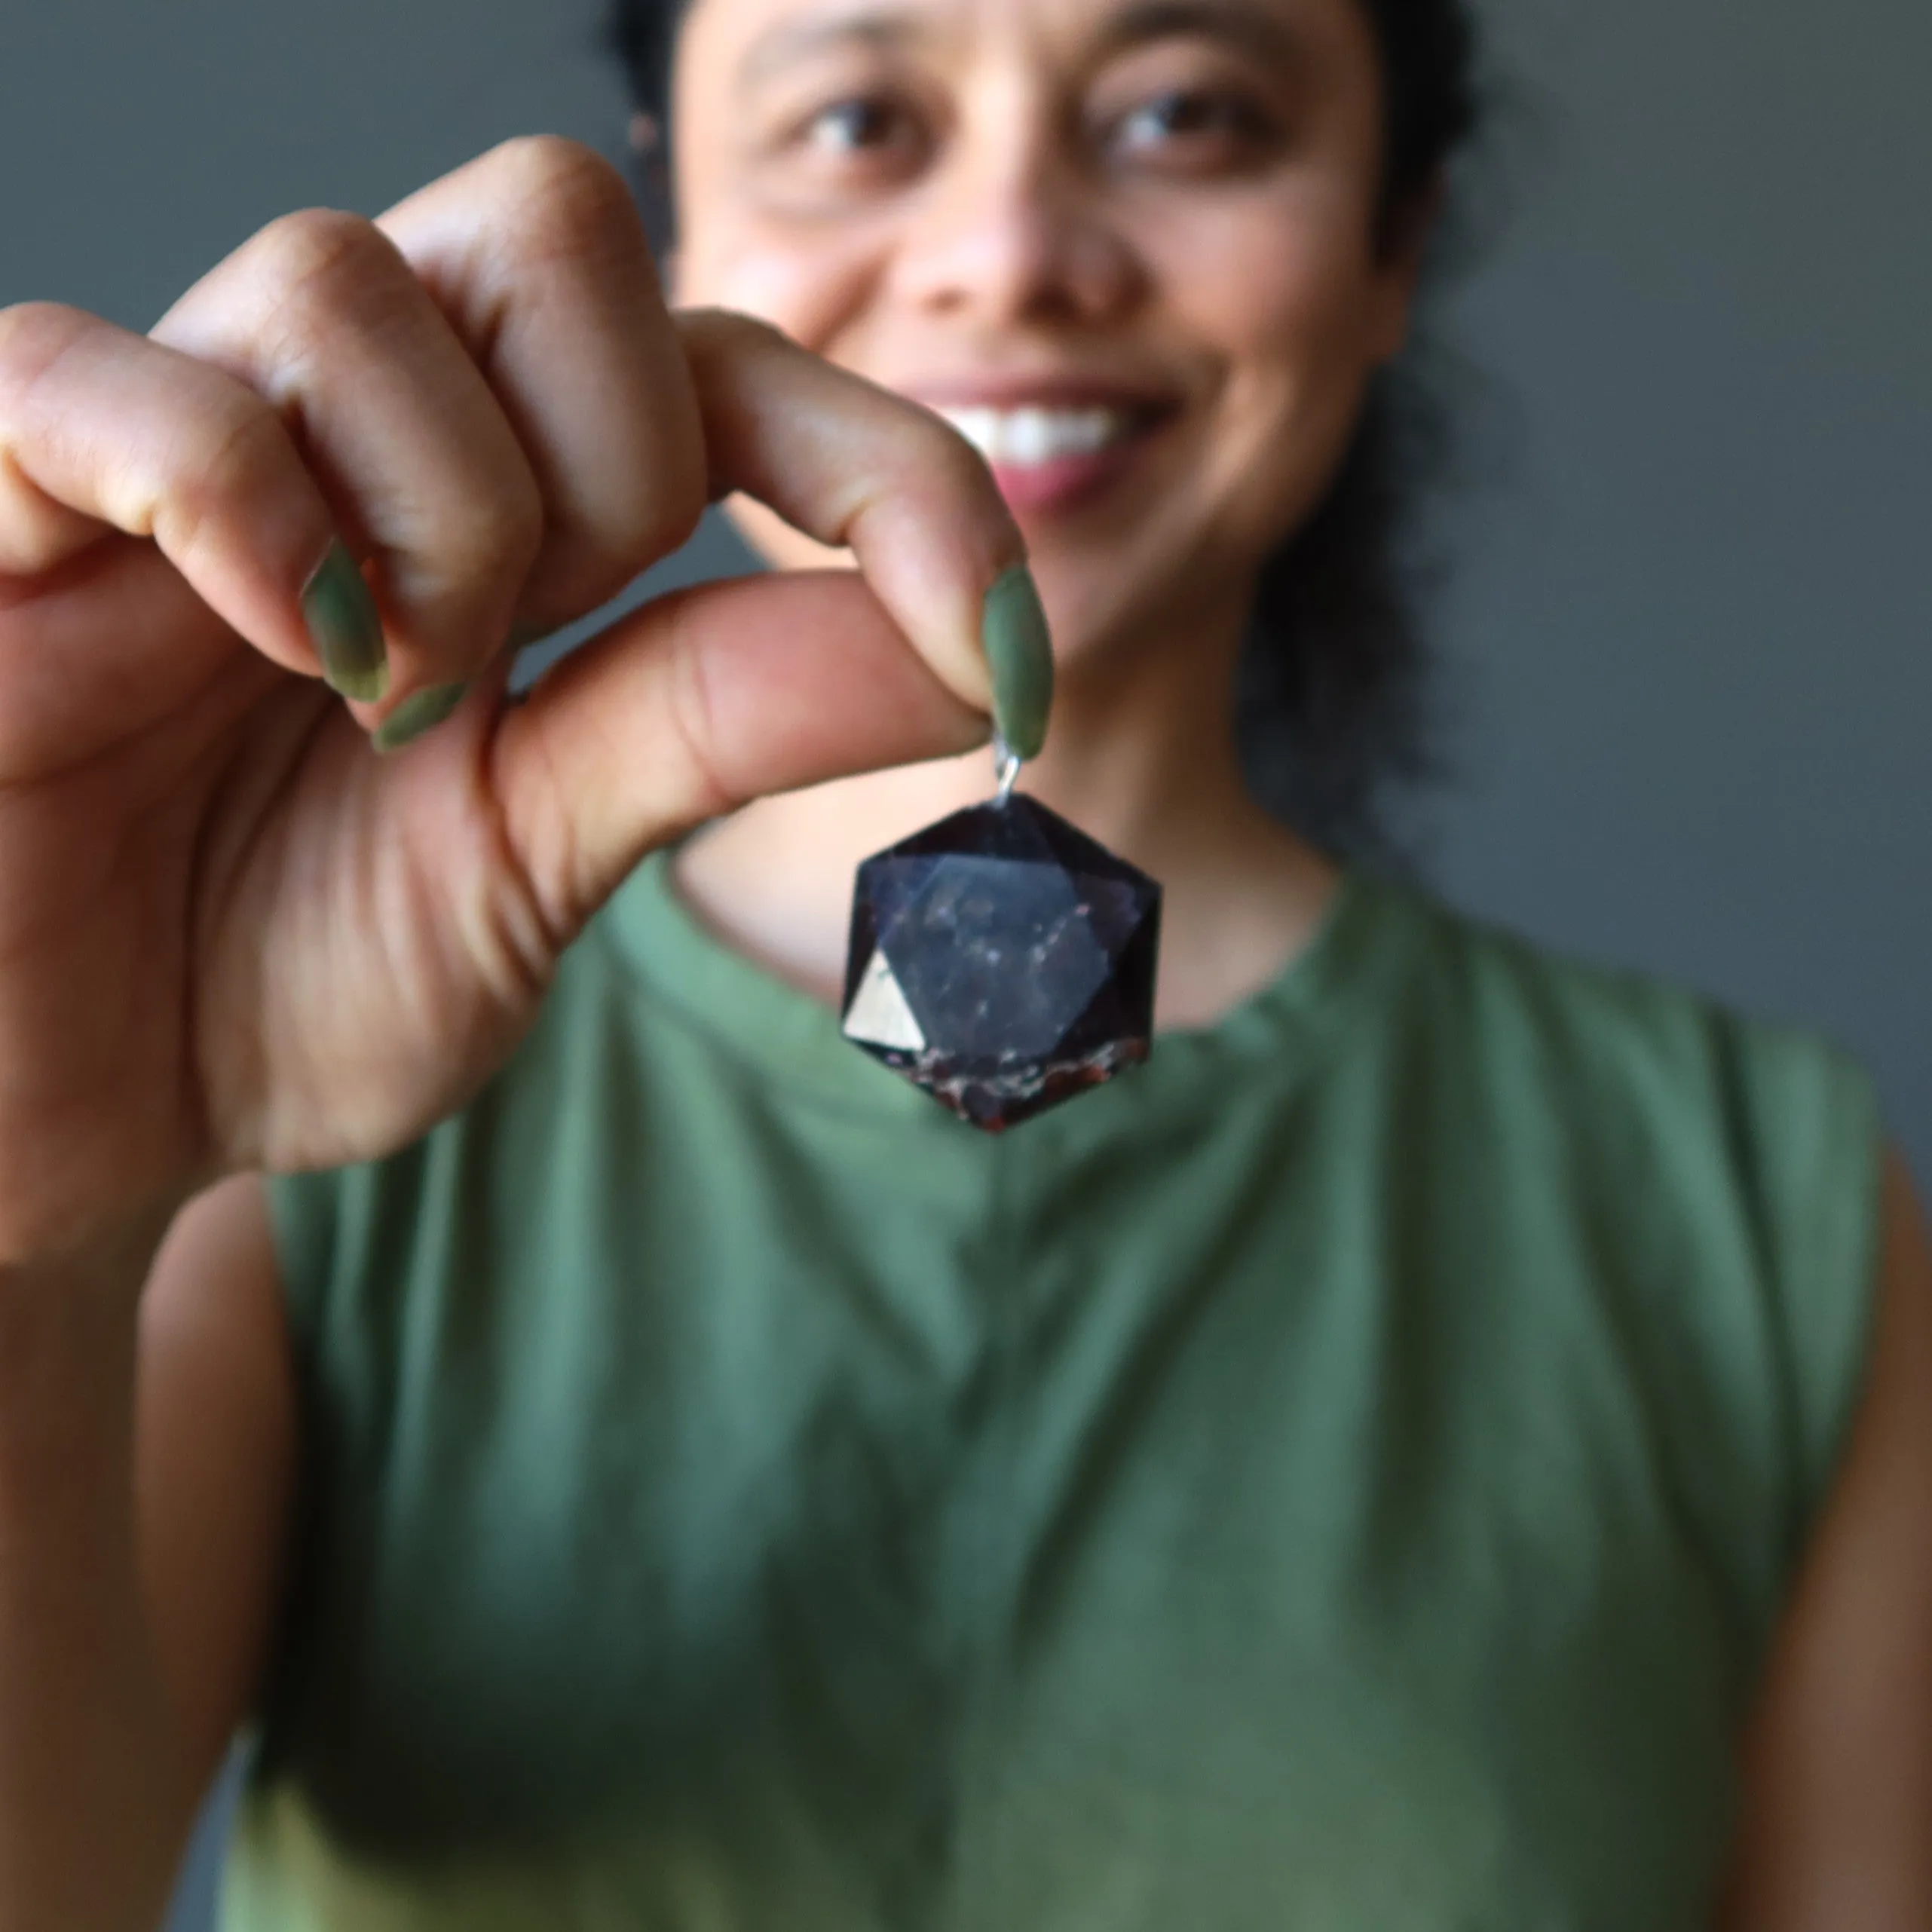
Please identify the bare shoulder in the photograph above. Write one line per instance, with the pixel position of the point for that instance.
(1839, 1768)
(217, 1456)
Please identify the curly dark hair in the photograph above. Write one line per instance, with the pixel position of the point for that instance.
(1334, 709)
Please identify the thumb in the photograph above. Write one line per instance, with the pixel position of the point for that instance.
(697, 703)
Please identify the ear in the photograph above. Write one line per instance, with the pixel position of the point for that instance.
(1404, 248)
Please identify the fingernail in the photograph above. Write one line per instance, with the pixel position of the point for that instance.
(346, 628)
(422, 711)
(1019, 654)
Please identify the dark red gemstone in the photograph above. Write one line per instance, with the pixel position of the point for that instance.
(1003, 960)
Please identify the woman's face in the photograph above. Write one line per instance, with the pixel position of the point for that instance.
(1128, 246)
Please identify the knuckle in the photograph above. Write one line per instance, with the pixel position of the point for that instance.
(36, 331)
(34, 336)
(714, 336)
(298, 248)
(570, 202)
(319, 261)
(496, 534)
(239, 454)
(734, 328)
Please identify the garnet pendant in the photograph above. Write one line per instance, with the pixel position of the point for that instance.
(1003, 960)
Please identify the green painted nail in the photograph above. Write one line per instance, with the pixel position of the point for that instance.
(1019, 654)
(422, 711)
(346, 627)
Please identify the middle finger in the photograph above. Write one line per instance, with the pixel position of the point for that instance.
(536, 254)
(320, 314)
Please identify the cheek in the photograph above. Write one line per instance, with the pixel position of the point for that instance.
(1297, 329)
(1288, 301)
(809, 286)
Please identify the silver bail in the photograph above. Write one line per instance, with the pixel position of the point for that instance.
(1006, 763)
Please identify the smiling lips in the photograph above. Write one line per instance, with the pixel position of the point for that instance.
(1046, 457)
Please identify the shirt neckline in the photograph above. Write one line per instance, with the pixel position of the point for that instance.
(785, 1036)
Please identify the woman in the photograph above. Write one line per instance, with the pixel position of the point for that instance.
(1442, 1445)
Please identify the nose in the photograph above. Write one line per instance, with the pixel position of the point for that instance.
(1008, 228)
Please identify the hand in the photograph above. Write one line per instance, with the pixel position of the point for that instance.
(232, 934)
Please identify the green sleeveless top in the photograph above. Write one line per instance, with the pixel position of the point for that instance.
(1340, 1477)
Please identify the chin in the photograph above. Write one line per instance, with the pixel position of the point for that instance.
(1106, 605)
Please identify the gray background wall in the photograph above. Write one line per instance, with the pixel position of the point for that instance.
(1688, 632)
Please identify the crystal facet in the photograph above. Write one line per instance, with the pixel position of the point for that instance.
(1003, 960)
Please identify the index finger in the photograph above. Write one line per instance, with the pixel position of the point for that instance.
(854, 466)
(101, 429)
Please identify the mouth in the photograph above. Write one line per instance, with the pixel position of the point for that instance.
(1047, 456)
(1027, 437)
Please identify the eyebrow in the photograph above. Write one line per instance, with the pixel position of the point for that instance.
(882, 28)
(1258, 30)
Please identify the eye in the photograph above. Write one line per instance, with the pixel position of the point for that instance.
(842, 141)
(1195, 129)
(863, 126)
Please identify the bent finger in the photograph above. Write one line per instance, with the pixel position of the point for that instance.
(695, 704)
(536, 256)
(101, 429)
(320, 314)
(852, 465)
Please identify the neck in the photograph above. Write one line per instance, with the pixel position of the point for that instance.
(1141, 755)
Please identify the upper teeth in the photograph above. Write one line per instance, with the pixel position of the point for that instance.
(1022, 437)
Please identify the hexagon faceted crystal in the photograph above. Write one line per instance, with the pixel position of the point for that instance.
(1003, 961)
